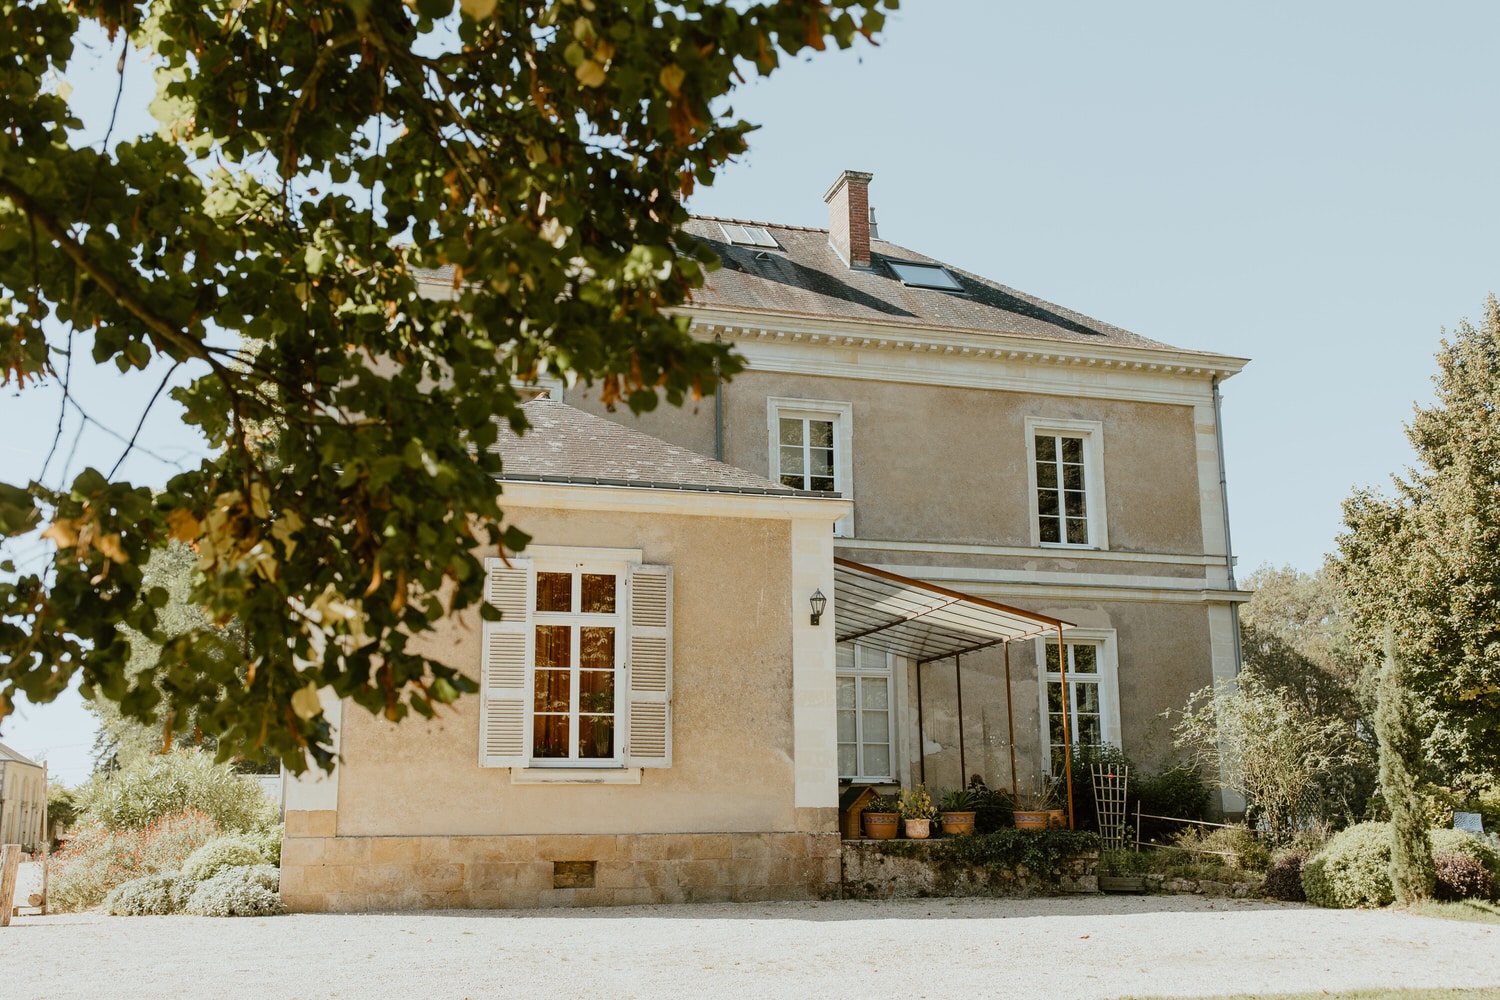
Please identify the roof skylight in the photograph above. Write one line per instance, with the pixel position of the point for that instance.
(925, 276)
(748, 236)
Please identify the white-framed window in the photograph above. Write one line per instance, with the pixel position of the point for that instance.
(811, 447)
(1093, 703)
(1066, 462)
(866, 708)
(578, 670)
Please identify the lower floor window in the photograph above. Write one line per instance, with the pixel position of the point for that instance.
(865, 711)
(1090, 717)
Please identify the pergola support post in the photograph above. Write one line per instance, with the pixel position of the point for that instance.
(1067, 723)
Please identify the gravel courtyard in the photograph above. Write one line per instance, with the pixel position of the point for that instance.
(1073, 947)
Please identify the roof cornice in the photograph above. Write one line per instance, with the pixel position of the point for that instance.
(792, 331)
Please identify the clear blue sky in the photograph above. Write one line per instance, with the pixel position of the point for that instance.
(1312, 186)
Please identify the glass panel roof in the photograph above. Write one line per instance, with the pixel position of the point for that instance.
(748, 236)
(925, 276)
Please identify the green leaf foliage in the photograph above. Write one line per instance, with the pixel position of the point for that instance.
(1424, 564)
(148, 788)
(216, 855)
(407, 209)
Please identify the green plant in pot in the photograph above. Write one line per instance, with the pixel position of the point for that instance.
(1035, 804)
(918, 812)
(957, 809)
(882, 817)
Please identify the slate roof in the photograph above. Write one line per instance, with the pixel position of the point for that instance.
(6, 753)
(567, 445)
(805, 277)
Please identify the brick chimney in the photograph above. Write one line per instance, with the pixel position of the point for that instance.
(849, 217)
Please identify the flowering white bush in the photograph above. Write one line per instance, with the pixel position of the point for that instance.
(248, 891)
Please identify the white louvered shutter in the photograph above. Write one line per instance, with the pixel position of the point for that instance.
(504, 719)
(649, 668)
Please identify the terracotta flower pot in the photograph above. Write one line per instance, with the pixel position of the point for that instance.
(958, 824)
(881, 826)
(1057, 819)
(918, 829)
(1031, 819)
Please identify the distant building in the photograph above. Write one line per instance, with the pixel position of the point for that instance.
(23, 800)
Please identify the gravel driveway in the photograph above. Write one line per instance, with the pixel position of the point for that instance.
(1095, 946)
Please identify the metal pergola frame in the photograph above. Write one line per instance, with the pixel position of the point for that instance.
(925, 622)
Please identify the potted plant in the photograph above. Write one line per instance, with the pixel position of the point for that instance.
(957, 810)
(1034, 805)
(918, 812)
(882, 817)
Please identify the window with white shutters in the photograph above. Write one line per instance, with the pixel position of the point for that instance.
(577, 672)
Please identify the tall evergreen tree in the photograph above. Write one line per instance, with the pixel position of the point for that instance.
(1412, 875)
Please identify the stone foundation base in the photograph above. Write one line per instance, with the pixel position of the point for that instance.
(902, 869)
(358, 874)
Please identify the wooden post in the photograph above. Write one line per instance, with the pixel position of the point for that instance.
(46, 836)
(1067, 723)
(1010, 714)
(958, 681)
(10, 865)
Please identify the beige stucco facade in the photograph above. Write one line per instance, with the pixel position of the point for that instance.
(747, 808)
(936, 427)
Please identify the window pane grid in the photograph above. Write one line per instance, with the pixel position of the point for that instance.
(1062, 497)
(574, 691)
(863, 709)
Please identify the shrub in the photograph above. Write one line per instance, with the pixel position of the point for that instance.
(1481, 849)
(267, 840)
(148, 788)
(1353, 869)
(993, 808)
(1284, 877)
(1460, 876)
(213, 857)
(1179, 792)
(162, 893)
(247, 891)
(97, 860)
(1085, 809)
(1238, 846)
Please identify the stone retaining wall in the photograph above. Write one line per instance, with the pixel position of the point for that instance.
(358, 874)
(874, 869)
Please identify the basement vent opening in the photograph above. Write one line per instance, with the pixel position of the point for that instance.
(925, 276)
(748, 236)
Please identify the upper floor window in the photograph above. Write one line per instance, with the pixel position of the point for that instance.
(1067, 482)
(810, 448)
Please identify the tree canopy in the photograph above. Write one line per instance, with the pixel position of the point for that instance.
(1424, 564)
(312, 157)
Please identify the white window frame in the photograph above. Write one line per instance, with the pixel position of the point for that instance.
(1092, 434)
(842, 417)
(872, 664)
(643, 666)
(1106, 660)
(585, 561)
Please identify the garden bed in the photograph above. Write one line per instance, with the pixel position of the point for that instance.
(1006, 863)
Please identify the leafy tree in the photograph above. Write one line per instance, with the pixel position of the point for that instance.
(1425, 564)
(1401, 762)
(313, 155)
(1262, 744)
(1294, 637)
